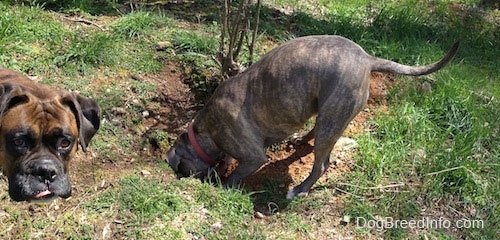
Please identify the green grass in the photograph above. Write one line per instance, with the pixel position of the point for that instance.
(190, 42)
(197, 51)
(95, 49)
(441, 145)
(175, 210)
(439, 149)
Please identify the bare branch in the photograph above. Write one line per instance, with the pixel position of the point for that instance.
(254, 33)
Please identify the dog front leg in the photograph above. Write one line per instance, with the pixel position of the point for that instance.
(298, 139)
(244, 169)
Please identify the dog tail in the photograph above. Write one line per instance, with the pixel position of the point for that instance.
(384, 65)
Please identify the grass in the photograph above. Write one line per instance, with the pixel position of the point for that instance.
(439, 145)
(430, 155)
(177, 210)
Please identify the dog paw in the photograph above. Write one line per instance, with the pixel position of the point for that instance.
(292, 194)
(296, 139)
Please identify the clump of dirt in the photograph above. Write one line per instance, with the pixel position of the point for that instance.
(378, 88)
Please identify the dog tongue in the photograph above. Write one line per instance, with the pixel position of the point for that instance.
(43, 194)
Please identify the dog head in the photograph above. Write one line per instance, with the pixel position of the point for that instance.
(40, 130)
(184, 160)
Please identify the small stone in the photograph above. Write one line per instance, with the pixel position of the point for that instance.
(346, 144)
(346, 219)
(259, 215)
(163, 45)
(119, 110)
(216, 227)
(145, 172)
(118, 221)
(425, 87)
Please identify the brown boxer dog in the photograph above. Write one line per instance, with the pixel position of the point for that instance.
(40, 129)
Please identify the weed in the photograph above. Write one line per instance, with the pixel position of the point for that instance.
(88, 50)
(135, 25)
(192, 43)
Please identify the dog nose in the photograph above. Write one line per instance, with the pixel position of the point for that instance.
(46, 170)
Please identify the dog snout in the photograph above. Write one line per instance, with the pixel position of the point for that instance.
(173, 159)
(46, 169)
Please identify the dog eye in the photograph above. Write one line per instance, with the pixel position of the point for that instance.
(19, 142)
(65, 143)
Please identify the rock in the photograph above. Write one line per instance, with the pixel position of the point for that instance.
(346, 144)
(425, 87)
(119, 110)
(163, 45)
(259, 215)
(216, 227)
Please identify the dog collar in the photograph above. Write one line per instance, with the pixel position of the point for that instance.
(197, 148)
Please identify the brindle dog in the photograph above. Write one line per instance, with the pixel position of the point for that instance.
(327, 76)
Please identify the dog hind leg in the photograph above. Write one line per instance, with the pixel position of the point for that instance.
(331, 122)
(322, 148)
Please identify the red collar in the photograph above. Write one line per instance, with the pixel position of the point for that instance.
(197, 148)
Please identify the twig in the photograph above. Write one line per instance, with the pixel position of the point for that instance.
(346, 192)
(254, 33)
(82, 20)
(224, 28)
(458, 212)
(234, 30)
(372, 188)
(445, 170)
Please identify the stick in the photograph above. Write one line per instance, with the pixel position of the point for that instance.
(445, 170)
(372, 188)
(79, 19)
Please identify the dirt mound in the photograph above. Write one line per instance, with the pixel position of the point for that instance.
(178, 104)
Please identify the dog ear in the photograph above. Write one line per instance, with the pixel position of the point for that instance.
(173, 160)
(88, 117)
(10, 95)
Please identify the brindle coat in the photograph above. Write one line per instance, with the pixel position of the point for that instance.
(324, 75)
